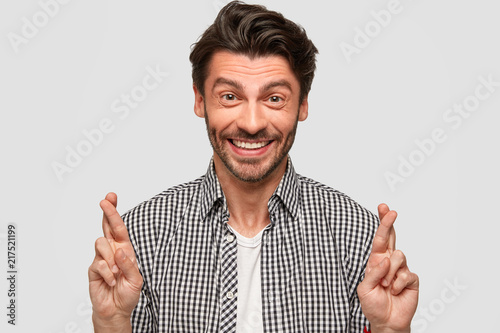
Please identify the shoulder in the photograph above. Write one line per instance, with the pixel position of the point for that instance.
(164, 205)
(341, 208)
(314, 190)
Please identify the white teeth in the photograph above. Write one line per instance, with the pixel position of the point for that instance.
(250, 145)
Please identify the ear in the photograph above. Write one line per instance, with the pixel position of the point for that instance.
(304, 109)
(199, 105)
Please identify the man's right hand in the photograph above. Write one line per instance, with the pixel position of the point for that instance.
(114, 278)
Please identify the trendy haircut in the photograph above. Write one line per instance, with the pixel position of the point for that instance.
(255, 31)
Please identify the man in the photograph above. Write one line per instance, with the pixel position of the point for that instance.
(251, 246)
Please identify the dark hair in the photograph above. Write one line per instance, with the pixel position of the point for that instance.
(254, 31)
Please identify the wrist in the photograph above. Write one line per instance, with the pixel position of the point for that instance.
(111, 325)
(389, 330)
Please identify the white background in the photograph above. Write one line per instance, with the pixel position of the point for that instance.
(364, 115)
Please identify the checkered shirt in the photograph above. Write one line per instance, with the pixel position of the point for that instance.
(314, 254)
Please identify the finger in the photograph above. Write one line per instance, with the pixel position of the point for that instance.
(372, 279)
(385, 236)
(398, 261)
(104, 250)
(100, 270)
(382, 210)
(129, 268)
(117, 231)
(113, 199)
(404, 280)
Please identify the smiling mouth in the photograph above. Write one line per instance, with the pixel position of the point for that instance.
(249, 145)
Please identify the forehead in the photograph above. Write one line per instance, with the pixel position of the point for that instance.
(241, 67)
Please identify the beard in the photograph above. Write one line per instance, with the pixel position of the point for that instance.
(250, 170)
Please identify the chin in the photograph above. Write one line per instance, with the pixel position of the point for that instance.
(252, 173)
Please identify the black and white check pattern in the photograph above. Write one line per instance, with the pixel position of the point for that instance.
(314, 254)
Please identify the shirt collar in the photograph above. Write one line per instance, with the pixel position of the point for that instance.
(287, 192)
(212, 191)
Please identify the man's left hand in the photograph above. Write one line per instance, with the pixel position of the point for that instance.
(389, 291)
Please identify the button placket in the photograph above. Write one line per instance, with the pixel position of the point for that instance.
(270, 296)
(228, 277)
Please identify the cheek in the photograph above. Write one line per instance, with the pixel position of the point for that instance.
(284, 123)
(217, 125)
(221, 119)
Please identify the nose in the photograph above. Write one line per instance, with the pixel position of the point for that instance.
(252, 117)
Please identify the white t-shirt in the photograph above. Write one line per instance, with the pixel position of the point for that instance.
(249, 302)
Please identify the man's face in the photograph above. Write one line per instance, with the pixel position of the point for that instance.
(251, 108)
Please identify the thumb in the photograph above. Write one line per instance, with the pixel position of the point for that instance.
(373, 277)
(129, 268)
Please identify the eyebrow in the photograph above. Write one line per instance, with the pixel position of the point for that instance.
(237, 85)
(221, 81)
(280, 83)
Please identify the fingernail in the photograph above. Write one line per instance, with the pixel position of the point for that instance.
(385, 283)
(115, 269)
(113, 283)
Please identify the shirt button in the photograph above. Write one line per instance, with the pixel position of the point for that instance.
(270, 296)
(229, 238)
(229, 295)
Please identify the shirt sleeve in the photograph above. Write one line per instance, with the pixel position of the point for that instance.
(143, 316)
(359, 323)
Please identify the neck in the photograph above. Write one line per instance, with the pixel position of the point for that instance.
(247, 201)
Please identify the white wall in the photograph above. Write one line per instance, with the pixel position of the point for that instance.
(366, 112)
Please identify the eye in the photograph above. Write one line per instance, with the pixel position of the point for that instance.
(276, 101)
(229, 97)
(229, 100)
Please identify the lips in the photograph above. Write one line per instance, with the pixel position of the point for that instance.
(250, 145)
